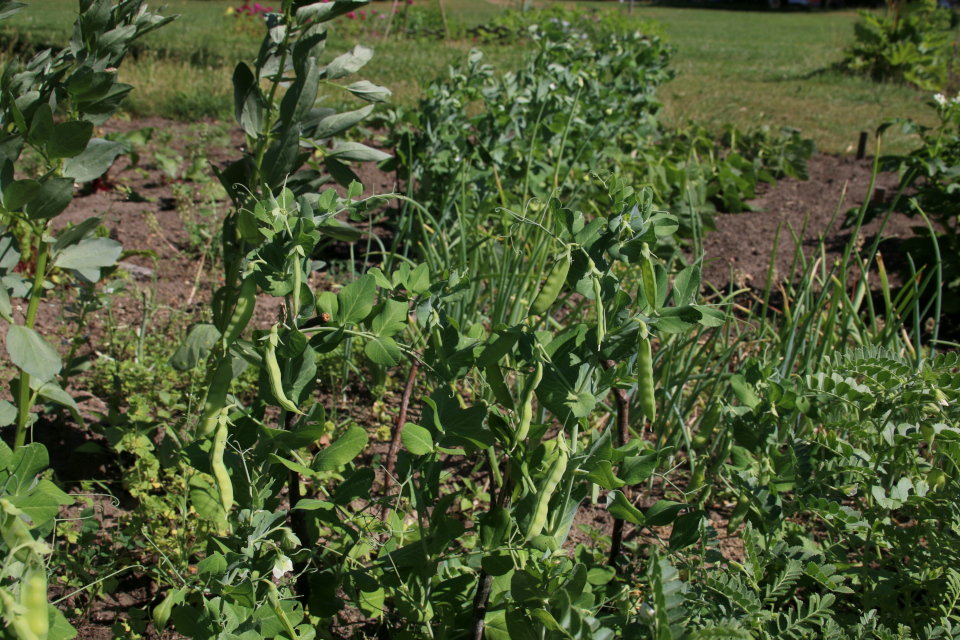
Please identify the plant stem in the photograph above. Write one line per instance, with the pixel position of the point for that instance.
(24, 399)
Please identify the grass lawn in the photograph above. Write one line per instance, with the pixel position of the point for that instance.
(749, 68)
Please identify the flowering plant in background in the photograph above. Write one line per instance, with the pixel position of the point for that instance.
(248, 18)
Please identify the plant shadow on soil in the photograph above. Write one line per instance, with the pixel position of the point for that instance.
(738, 255)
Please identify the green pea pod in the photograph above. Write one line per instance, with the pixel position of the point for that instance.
(217, 467)
(541, 510)
(552, 286)
(739, 512)
(16, 534)
(645, 384)
(274, 375)
(649, 277)
(242, 313)
(33, 596)
(526, 403)
(273, 596)
(499, 386)
(707, 425)
(216, 398)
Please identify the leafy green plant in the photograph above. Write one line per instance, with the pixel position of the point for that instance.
(931, 172)
(911, 43)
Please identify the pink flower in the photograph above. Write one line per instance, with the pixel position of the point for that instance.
(257, 7)
(351, 15)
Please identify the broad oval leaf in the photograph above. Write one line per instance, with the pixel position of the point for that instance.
(346, 448)
(416, 439)
(34, 355)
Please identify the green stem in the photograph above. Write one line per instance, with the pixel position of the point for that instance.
(24, 400)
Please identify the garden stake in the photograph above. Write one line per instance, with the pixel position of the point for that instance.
(398, 425)
(623, 434)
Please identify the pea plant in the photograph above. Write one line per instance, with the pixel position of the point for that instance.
(515, 399)
(50, 105)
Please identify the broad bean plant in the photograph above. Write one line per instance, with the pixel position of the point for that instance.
(49, 107)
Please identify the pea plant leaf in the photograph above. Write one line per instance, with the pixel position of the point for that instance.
(383, 351)
(69, 139)
(356, 300)
(34, 355)
(416, 439)
(346, 448)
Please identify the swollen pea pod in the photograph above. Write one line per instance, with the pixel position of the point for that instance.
(739, 512)
(33, 596)
(242, 313)
(526, 403)
(273, 596)
(552, 286)
(645, 384)
(552, 479)
(499, 386)
(707, 425)
(216, 398)
(649, 277)
(273, 372)
(217, 467)
(15, 532)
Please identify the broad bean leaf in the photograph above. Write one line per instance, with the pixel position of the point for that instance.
(93, 162)
(55, 196)
(89, 256)
(350, 62)
(34, 355)
(69, 139)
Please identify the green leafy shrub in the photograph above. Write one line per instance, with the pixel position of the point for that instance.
(932, 172)
(913, 43)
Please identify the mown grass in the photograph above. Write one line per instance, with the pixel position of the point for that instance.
(747, 68)
(771, 68)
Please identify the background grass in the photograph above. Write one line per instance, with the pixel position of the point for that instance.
(748, 68)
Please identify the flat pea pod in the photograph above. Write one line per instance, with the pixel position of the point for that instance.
(645, 384)
(499, 386)
(216, 398)
(273, 372)
(552, 286)
(273, 597)
(242, 313)
(552, 479)
(649, 277)
(526, 402)
(33, 596)
(498, 348)
(217, 467)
